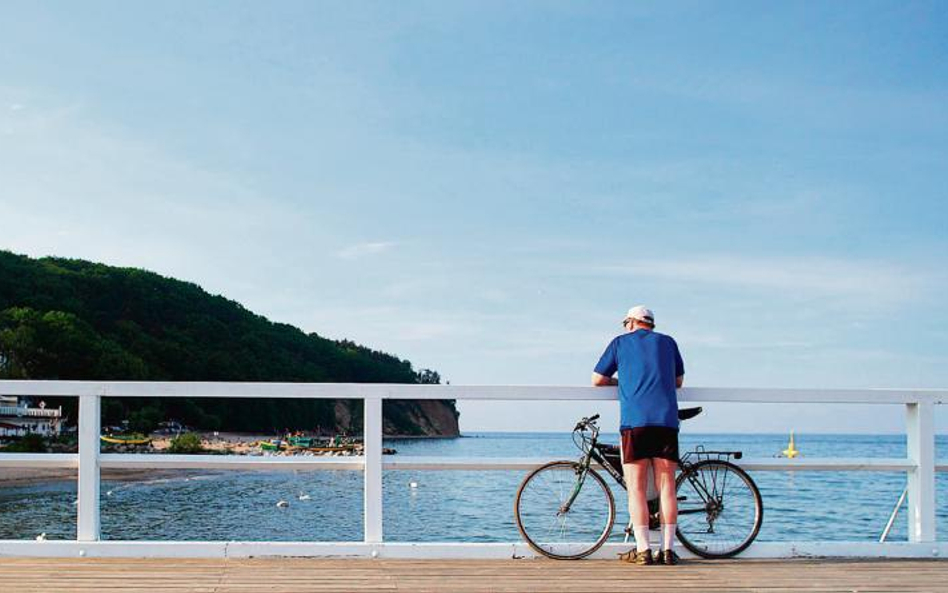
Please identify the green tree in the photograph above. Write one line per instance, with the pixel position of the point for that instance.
(145, 420)
(73, 319)
(428, 377)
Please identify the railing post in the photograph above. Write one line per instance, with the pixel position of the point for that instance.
(89, 430)
(921, 480)
(372, 452)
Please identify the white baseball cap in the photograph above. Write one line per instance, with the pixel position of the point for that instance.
(641, 313)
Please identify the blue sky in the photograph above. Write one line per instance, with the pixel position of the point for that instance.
(484, 188)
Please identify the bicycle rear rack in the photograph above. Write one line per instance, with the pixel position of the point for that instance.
(701, 454)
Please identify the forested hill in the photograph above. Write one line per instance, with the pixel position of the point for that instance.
(73, 319)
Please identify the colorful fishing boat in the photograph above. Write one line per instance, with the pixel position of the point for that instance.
(272, 445)
(304, 442)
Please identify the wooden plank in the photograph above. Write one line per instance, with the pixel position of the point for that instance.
(298, 575)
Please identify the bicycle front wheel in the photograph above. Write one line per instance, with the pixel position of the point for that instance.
(719, 509)
(563, 512)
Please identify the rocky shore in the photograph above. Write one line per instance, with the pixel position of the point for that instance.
(212, 443)
(228, 443)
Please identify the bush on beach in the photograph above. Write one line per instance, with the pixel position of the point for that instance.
(188, 442)
(31, 443)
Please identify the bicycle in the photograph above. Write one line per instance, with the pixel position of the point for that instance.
(565, 510)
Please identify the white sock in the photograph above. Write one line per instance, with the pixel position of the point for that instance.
(641, 537)
(668, 535)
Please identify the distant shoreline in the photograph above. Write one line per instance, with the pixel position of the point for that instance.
(227, 443)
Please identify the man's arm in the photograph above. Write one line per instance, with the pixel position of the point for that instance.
(606, 367)
(603, 381)
(679, 366)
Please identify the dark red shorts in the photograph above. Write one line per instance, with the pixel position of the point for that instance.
(646, 442)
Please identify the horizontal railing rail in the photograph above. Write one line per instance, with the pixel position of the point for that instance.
(465, 392)
(357, 462)
(919, 464)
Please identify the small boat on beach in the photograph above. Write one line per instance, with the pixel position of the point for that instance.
(272, 445)
(301, 441)
(325, 449)
(318, 445)
(298, 444)
(135, 439)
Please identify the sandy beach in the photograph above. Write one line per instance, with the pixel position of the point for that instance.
(220, 443)
(227, 443)
(11, 477)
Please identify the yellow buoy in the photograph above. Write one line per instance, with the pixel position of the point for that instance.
(791, 451)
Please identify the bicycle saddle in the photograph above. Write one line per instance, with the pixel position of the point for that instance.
(686, 413)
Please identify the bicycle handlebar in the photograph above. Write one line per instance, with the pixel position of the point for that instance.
(586, 423)
(683, 414)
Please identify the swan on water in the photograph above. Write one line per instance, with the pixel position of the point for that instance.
(283, 504)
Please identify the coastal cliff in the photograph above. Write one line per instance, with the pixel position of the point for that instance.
(74, 319)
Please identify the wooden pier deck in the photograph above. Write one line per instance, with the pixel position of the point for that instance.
(301, 575)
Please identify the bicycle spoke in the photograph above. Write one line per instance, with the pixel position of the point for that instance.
(553, 523)
(731, 512)
(553, 531)
(724, 482)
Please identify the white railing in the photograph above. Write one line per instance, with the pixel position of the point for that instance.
(30, 412)
(919, 464)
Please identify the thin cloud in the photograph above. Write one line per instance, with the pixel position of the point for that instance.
(870, 281)
(728, 342)
(361, 250)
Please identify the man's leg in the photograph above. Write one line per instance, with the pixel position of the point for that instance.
(665, 482)
(636, 479)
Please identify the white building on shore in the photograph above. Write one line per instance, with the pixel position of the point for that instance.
(18, 419)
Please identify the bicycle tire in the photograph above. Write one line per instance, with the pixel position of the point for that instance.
(529, 506)
(698, 534)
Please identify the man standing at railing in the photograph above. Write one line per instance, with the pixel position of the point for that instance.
(649, 368)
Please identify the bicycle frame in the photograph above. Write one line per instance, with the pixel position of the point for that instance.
(709, 497)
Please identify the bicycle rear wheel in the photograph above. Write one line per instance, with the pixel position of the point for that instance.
(562, 513)
(719, 509)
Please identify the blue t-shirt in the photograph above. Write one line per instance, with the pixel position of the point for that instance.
(648, 363)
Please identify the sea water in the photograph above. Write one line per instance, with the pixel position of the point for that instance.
(463, 506)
